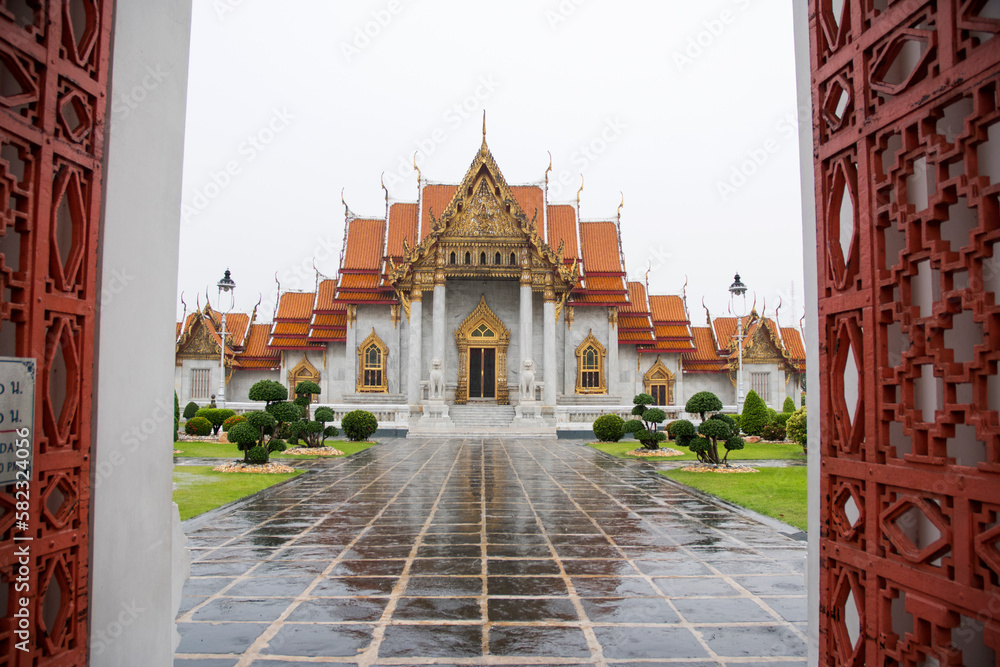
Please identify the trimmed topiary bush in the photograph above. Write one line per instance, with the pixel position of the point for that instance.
(217, 416)
(683, 432)
(198, 426)
(719, 428)
(330, 432)
(244, 436)
(232, 421)
(324, 415)
(772, 414)
(702, 403)
(773, 432)
(257, 455)
(754, 417)
(649, 435)
(268, 391)
(262, 421)
(797, 426)
(782, 418)
(608, 428)
(359, 425)
(788, 406)
(177, 415)
(190, 410)
(276, 445)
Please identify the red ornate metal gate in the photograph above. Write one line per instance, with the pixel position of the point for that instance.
(54, 72)
(907, 135)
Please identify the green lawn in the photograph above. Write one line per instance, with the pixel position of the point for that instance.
(228, 450)
(200, 489)
(754, 451)
(776, 492)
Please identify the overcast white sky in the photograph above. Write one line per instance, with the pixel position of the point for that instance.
(687, 108)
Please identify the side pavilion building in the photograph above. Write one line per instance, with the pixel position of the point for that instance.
(484, 305)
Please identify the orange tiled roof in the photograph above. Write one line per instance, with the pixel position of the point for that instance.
(236, 328)
(672, 331)
(636, 299)
(668, 308)
(584, 298)
(704, 357)
(285, 329)
(364, 244)
(436, 197)
(296, 306)
(325, 295)
(403, 224)
(362, 281)
(634, 337)
(531, 200)
(329, 327)
(562, 227)
(600, 284)
(257, 354)
(600, 247)
(793, 343)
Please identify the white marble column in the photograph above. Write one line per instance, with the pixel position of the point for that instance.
(526, 352)
(611, 372)
(415, 342)
(549, 351)
(438, 326)
(350, 352)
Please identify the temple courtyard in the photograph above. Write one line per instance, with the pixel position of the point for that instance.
(489, 552)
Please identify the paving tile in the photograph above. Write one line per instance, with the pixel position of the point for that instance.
(513, 640)
(791, 584)
(438, 609)
(709, 610)
(207, 638)
(242, 609)
(444, 586)
(338, 610)
(686, 587)
(521, 610)
(630, 643)
(423, 641)
(202, 586)
(758, 640)
(318, 640)
(270, 586)
(794, 609)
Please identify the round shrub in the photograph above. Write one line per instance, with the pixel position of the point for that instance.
(267, 390)
(608, 428)
(796, 426)
(198, 426)
(631, 426)
(755, 416)
(307, 387)
(232, 421)
(277, 445)
(243, 435)
(217, 416)
(331, 432)
(284, 412)
(728, 419)
(257, 455)
(262, 421)
(324, 415)
(783, 418)
(359, 424)
(683, 432)
(773, 432)
(702, 402)
(772, 414)
(190, 410)
(789, 405)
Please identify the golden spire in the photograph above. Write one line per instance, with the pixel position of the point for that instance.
(417, 169)
(483, 149)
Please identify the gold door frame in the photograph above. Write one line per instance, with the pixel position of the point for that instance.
(463, 338)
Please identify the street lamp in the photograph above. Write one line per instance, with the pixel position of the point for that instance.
(738, 289)
(228, 286)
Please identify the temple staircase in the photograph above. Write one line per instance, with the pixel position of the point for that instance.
(483, 420)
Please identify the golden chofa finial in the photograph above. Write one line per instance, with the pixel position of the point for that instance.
(620, 206)
(579, 192)
(484, 150)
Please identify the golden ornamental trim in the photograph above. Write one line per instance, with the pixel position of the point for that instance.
(659, 374)
(583, 371)
(377, 383)
(482, 314)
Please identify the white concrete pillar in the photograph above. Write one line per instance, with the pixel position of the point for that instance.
(525, 324)
(549, 352)
(611, 372)
(415, 331)
(438, 327)
(350, 355)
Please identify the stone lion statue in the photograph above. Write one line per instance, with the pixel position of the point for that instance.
(437, 378)
(528, 381)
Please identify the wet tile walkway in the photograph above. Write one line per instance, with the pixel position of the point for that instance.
(489, 552)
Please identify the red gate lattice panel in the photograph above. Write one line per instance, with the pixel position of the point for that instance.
(53, 87)
(906, 99)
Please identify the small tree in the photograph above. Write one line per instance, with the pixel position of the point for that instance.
(177, 415)
(718, 428)
(245, 436)
(262, 422)
(754, 417)
(324, 415)
(702, 403)
(683, 432)
(788, 405)
(190, 410)
(306, 387)
(283, 413)
(796, 427)
(268, 391)
(646, 431)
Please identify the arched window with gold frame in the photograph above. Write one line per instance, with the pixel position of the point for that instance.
(372, 354)
(302, 372)
(659, 383)
(590, 357)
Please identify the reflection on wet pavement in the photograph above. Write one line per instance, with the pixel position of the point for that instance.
(479, 552)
